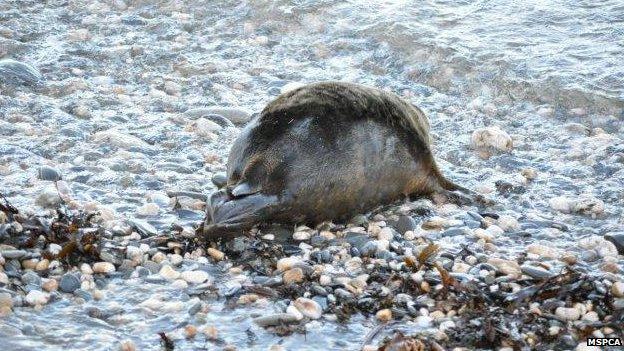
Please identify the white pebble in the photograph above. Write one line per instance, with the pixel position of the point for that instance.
(292, 310)
(300, 236)
(308, 308)
(168, 272)
(176, 259)
(149, 209)
(195, 277)
(287, 263)
(103, 267)
(568, 314)
(618, 289)
(36, 297)
(491, 137)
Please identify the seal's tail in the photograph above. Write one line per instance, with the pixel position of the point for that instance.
(449, 189)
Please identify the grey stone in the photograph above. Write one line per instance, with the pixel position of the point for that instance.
(13, 254)
(275, 319)
(69, 283)
(49, 173)
(405, 223)
(84, 294)
(31, 278)
(219, 180)
(536, 272)
(19, 73)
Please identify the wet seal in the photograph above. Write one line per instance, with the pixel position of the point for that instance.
(326, 151)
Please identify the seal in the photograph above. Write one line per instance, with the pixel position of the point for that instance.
(326, 151)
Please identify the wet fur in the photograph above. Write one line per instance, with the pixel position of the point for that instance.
(330, 150)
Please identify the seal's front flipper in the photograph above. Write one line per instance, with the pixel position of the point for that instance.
(243, 189)
(227, 215)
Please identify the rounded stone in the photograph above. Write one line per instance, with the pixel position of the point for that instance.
(308, 308)
(103, 267)
(195, 277)
(69, 283)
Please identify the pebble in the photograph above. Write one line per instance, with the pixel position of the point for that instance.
(567, 313)
(49, 173)
(325, 280)
(591, 316)
(4, 279)
(423, 321)
(275, 319)
(219, 180)
(48, 198)
(31, 278)
(561, 203)
(179, 284)
(286, 263)
(215, 254)
(172, 88)
(211, 332)
(149, 209)
(16, 72)
(589, 205)
(77, 35)
(617, 289)
(507, 223)
(13, 254)
(176, 260)
(536, 272)
(50, 285)
(190, 331)
(127, 345)
(159, 257)
(446, 325)
(543, 251)
(506, 266)
(405, 223)
(30, 263)
(295, 312)
(85, 268)
(308, 308)
(36, 297)
(194, 277)
(384, 315)
(203, 128)
(103, 267)
(600, 245)
(119, 139)
(301, 236)
(529, 173)
(294, 275)
(491, 137)
(385, 233)
(6, 300)
(69, 283)
(168, 272)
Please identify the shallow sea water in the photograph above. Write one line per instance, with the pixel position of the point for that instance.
(119, 79)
